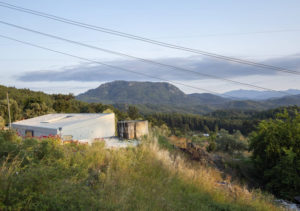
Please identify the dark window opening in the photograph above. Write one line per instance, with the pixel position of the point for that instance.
(29, 133)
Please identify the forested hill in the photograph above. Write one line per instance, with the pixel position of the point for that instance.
(151, 97)
(146, 93)
(261, 95)
(21, 95)
(25, 103)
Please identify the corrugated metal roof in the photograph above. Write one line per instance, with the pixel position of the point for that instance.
(56, 121)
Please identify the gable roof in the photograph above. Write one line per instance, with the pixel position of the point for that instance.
(55, 121)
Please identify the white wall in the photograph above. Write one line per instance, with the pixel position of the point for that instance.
(37, 131)
(103, 127)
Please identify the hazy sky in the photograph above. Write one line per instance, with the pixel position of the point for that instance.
(264, 31)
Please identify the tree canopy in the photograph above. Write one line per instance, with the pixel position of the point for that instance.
(276, 154)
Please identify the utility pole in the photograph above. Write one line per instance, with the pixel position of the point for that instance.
(8, 107)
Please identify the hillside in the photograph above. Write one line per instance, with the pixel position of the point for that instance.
(83, 177)
(21, 95)
(151, 97)
(260, 95)
(132, 92)
(25, 103)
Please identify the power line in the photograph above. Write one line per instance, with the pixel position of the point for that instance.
(141, 59)
(144, 39)
(115, 67)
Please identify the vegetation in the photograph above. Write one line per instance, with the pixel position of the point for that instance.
(275, 147)
(230, 120)
(2, 123)
(151, 97)
(276, 154)
(43, 174)
(27, 104)
(190, 122)
(133, 112)
(231, 143)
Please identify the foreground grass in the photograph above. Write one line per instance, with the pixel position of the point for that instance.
(44, 175)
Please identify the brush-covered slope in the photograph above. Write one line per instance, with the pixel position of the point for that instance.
(83, 177)
(21, 95)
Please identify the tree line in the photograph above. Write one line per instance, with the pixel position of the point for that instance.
(230, 120)
(26, 104)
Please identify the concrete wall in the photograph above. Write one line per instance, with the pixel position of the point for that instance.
(126, 130)
(103, 127)
(141, 129)
(132, 129)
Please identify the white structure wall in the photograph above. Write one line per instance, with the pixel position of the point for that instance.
(77, 126)
(103, 127)
(37, 131)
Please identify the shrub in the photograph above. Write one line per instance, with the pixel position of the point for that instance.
(212, 146)
(231, 143)
(46, 175)
(276, 154)
(2, 123)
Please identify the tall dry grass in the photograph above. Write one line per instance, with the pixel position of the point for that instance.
(209, 180)
(45, 175)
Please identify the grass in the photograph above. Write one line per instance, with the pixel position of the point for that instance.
(44, 175)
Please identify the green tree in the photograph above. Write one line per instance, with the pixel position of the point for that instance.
(63, 103)
(276, 154)
(35, 107)
(231, 143)
(2, 122)
(15, 111)
(133, 112)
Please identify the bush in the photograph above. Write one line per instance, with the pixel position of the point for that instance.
(2, 123)
(46, 175)
(211, 147)
(276, 154)
(9, 143)
(231, 143)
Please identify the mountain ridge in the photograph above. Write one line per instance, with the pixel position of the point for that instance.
(133, 92)
(260, 95)
(152, 97)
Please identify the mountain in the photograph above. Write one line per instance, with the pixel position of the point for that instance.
(206, 98)
(284, 101)
(134, 93)
(260, 95)
(157, 93)
(150, 97)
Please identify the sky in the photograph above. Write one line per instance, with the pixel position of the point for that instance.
(260, 31)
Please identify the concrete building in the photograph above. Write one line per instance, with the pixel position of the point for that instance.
(132, 129)
(68, 126)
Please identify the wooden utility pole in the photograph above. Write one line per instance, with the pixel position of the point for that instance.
(8, 107)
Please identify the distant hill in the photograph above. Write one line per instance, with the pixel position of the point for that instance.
(208, 99)
(284, 101)
(260, 95)
(152, 97)
(21, 95)
(132, 92)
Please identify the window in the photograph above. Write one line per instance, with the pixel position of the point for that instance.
(29, 133)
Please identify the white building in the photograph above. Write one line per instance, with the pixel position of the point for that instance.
(68, 126)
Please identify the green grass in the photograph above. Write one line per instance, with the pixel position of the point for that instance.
(45, 175)
(164, 143)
